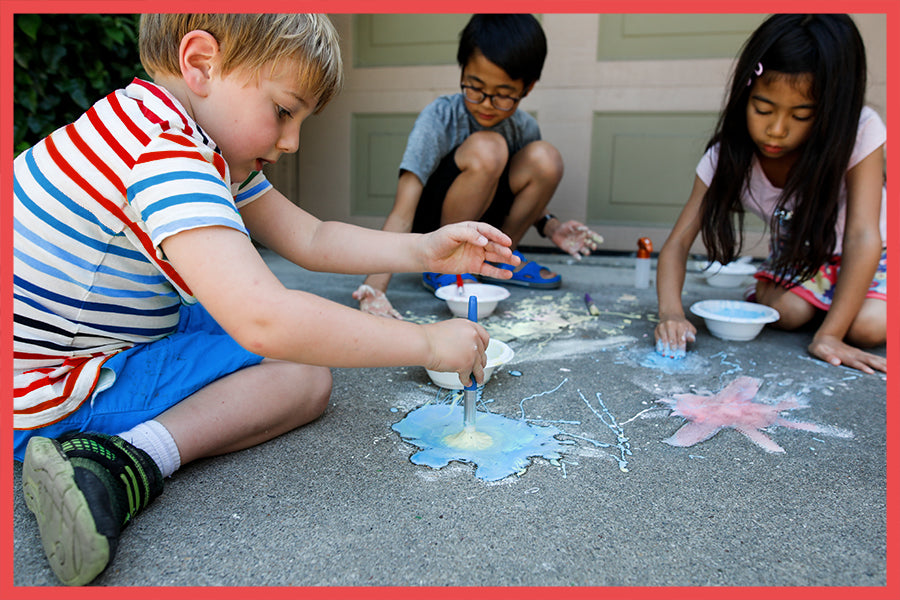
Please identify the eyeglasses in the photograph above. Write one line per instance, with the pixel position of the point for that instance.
(498, 101)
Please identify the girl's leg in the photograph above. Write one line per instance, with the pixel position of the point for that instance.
(794, 310)
(481, 159)
(534, 174)
(246, 408)
(869, 328)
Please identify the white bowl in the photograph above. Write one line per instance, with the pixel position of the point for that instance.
(731, 275)
(488, 297)
(497, 353)
(733, 319)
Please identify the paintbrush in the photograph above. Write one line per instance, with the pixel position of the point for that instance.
(459, 285)
(471, 390)
(592, 308)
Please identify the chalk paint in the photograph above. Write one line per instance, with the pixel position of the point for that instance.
(538, 395)
(538, 316)
(515, 442)
(733, 407)
(668, 364)
(539, 320)
(668, 352)
(691, 362)
(436, 429)
(469, 439)
(623, 444)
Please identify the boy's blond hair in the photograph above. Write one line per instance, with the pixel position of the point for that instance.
(249, 42)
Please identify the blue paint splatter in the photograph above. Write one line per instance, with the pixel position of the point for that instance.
(691, 362)
(515, 441)
(622, 442)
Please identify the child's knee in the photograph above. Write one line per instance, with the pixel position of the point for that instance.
(544, 160)
(484, 151)
(869, 328)
(308, 390)
(320, 389)
(793, 310)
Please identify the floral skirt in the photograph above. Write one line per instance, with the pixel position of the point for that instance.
(819, 289)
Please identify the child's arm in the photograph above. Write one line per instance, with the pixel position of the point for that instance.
(573, 237)
(227, 275)
(859, 259)
(338, 247)
(674, 330)
(373, 299)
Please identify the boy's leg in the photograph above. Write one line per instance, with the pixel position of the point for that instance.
(84, 488)
(248, 407)
(534, 174)
(481, 159)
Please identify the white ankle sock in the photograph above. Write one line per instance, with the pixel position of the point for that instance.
(153, 438)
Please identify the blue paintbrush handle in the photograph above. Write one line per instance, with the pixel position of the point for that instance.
(473, 316)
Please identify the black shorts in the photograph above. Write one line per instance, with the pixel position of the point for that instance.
(428, 211)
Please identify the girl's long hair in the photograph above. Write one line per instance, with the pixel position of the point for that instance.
(830, 49)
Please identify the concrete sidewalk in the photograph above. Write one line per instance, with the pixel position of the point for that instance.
(339, 503)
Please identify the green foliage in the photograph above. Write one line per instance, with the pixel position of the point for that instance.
(65, 63)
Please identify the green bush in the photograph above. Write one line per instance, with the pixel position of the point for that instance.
(65, 63)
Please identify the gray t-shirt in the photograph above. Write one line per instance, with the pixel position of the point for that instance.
(445, 124)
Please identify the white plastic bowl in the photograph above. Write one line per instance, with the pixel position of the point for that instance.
(733, 319)
(731, 275)
(498, 354)
(488, 297)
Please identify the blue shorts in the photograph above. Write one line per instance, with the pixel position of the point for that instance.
(431, 201)
(144, 381)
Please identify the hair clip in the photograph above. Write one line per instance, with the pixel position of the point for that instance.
(783, 215)
(757, 71)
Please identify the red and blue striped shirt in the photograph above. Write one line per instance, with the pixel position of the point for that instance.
(92, 203)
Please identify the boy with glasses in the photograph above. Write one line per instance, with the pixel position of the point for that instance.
(476, 156)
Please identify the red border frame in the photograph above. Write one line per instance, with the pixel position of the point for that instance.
(9, 7)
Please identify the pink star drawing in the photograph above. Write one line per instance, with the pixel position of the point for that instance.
(731, 407)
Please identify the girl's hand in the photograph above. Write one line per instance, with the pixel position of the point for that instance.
(672, 335)
(836, 352)
(458, 345)
(576, 238)
(467, 247)
(375, 302)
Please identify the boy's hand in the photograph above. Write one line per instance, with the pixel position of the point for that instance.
(458, 345)
(672, 335)
(576, 238)
(468, 247)
(375, 302)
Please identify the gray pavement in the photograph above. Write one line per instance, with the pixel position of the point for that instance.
(339, 503)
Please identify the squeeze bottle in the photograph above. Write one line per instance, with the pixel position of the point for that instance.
(642, 263)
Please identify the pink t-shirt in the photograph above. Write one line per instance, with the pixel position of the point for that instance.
(760, 197)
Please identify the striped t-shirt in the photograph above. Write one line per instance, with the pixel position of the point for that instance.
(92, 203)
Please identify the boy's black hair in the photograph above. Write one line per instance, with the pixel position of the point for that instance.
(515, 43)
(830, 49)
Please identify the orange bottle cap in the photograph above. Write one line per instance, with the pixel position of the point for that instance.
(645, 247)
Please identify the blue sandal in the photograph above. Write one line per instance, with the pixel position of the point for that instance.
(433, 281)
(527, 274)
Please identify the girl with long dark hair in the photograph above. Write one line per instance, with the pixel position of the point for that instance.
(796, 146)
